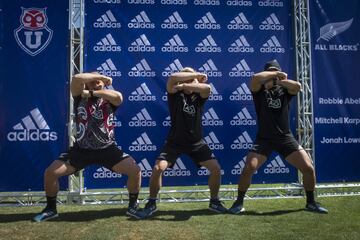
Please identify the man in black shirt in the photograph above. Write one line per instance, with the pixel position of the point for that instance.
(187, 93)
(272, 93)
(94, 109)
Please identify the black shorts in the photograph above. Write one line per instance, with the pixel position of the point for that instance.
(198, 153)
(80, 158)
(284, 145)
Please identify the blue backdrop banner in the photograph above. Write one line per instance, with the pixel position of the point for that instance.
(33, 90)
(141, 42)
(335, 37)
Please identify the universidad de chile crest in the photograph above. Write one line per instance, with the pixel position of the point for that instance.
(33, 35)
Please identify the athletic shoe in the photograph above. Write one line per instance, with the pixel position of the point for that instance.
(236, 208)
(217, 206)
(135, 211)
(45, 215)
(316, 207)
(150, 208)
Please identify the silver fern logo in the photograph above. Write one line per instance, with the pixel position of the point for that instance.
(330, 30)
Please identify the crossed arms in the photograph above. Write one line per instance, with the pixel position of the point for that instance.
(190, 81)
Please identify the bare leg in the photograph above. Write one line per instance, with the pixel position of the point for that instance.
(156, 177)
(56, 170)
(214, 178)
(253, 162)
(129, 167)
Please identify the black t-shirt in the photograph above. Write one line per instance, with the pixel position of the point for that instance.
(185, 115)
(272, 110)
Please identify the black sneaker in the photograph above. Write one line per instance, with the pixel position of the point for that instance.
(217, 206)
(316, 207)
(150, 208)
(45, 215)
(135, 211)
(236, 208)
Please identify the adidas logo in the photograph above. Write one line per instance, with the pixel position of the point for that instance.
(143, 94)
(178, 170)
(142, 119)
(142, 69)
(207, 22)
(174, 2)
(203, 171)
(210, 118)
(108, 68)
(107, 20)
(276, 166)
(107, 44)
(242, 93)
(103, 172)
(114, 122)
(107, 1)
(213, 142)
(173, 67)
(272, 46)
(164, 97)
(243, 118)
(142, 143)
(239, 167)
(33, 127)
(174, 45)
(167, 122)
(141, 21)
(145, 168)
(271, 23)
(208, 44)
(210, 69)
(214, 96)
(242, 142)
(239, 3)
(141, 1)
(241, 45)
(174, 21)
(206, 2)
(141, 44)
(270, 3)
(240, 23)
(241, 69)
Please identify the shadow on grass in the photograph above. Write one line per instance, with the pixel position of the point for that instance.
(161, 215)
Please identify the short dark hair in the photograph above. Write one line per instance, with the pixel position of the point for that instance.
(272, 65)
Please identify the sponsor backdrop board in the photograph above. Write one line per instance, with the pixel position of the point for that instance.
(335, 37)
(33, 90)
(141, 42)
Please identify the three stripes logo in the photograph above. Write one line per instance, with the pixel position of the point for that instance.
(207, 22)
(241, 69)
(243, 118)
(241, 45)
(178, 170)
(242, 3)
(174, 2)
(114, 122)
(272, 46)
(203, 171)
(145, 168)
(141, 69)
(242, 93)
(174, 45)
(213, 142)
(142, 119)
(208, 44)
(141, 1)
(240, 22)
(175, 66)
(239, 167)
(141, 21)
(108, 68)
(107, 20)
(142, 143)
(103, 172)
(210, 118)
(271, 23)
(214, 96)
(210, 69)
(276, 166)
(107, 44)
(174, 21)
(142, 93)
(33, 127)
(270, 3)
(242, 142)
(166, 122)
(141, 44)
